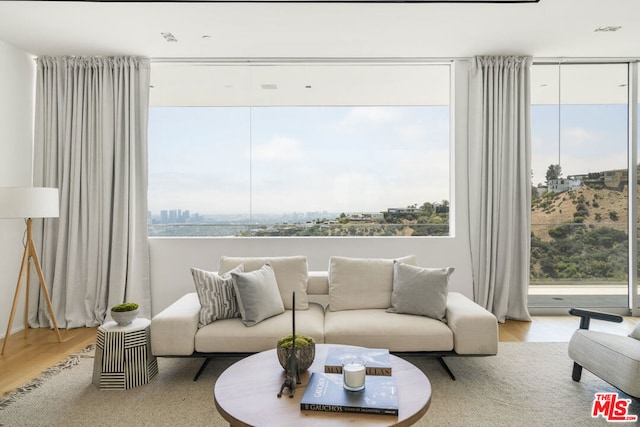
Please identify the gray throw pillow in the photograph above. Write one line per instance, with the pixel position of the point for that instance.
(216, 294)
(258, 294)
(420, 291)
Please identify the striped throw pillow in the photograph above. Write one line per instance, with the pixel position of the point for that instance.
(216, 294)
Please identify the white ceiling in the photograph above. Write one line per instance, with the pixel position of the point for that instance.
(240, 34)
(550, 28)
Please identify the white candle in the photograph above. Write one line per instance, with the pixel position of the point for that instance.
(353, 375)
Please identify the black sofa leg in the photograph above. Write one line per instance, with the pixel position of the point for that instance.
(446, 368)
(577, 372)
(202, 368)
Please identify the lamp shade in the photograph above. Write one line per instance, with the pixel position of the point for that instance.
(29, 202)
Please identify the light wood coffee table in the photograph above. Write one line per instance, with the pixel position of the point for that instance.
(245, 395)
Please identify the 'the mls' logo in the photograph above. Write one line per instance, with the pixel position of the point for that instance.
(611, 408)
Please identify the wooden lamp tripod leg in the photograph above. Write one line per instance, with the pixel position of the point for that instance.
(24, 266)
(43, 286)
(29, 252)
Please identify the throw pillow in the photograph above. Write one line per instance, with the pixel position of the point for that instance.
(636, 332)
(291, 275)
(361, 283)
(216, 294)
(258, 294)
(420, 291)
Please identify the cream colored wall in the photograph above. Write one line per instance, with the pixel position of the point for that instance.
(17, 76)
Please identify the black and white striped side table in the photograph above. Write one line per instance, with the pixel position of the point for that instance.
(123, 356)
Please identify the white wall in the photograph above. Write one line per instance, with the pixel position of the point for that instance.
(17, 77)
(171, 258)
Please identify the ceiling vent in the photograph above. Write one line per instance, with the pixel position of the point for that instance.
(169, 37)
(608, 29)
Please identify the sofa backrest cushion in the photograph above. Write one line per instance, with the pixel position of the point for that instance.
(291, 275)
(361, 283)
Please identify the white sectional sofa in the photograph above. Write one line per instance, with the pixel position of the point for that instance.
(378, 303)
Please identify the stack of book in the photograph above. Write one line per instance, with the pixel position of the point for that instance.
(377, 360)
(325, 391)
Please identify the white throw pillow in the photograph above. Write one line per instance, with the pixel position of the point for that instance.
(361, 283)
(258, 295)
(420, 291)
(216, 294)
(291, 275)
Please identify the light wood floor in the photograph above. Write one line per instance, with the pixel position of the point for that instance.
(25, 359)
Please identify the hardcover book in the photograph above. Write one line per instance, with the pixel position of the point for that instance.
(325, 393)
(377, 360)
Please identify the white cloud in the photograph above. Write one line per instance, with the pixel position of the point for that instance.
(578, 136)
(413, 132)
(356, 192)
(279, 148)
(358, 116)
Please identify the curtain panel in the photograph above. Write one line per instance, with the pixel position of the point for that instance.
(499, 157)
(91, 143)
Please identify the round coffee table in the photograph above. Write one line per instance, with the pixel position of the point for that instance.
(245, 395)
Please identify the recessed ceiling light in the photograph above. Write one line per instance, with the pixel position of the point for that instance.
(169, 37)
(607, 29)
(269, 86)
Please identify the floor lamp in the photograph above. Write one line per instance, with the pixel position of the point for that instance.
(29, 202)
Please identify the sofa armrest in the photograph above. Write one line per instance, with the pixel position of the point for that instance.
(173, 330)
(587, 315)
(475, 329)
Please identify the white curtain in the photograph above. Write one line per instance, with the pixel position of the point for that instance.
(91, 143)
(499, 159)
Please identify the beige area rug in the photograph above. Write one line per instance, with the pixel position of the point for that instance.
(527, 384)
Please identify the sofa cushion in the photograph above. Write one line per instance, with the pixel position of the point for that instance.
(361, 283)
(291, 275)
(420, 291)
(375, 328)
(258, 295)
(216, 295)
(232, 336)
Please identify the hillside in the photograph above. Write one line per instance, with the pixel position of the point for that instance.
(580, 234)
(586, 205)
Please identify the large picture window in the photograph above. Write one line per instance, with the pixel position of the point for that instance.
(356, 166)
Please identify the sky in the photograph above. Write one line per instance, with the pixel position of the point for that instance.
(237, 160)
(593, 138)
(230, 160)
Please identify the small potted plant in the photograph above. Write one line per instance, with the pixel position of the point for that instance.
(305, 350)
(125, 313)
